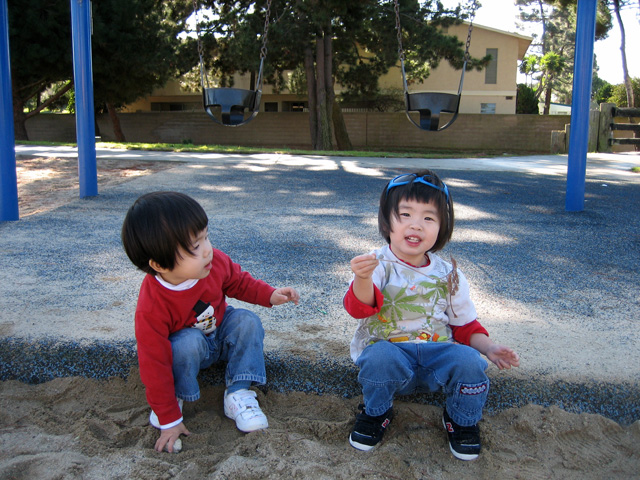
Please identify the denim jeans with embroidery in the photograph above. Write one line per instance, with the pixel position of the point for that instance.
(388, 369)
(237, 341)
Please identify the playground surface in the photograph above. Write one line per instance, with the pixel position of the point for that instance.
(559, 287)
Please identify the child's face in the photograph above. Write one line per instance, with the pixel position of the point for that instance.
(414, 231)
(191, 265)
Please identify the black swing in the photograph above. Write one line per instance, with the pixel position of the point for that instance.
(429, 105)
(232, 102)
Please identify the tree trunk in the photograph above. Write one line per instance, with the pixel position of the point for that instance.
(115, 121)
(19, 120)
(310, 71)
(325, 140)
(547, 98)
(343, 142)
(625, 70)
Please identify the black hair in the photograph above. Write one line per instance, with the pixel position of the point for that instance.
(390, 200)
(157, 224)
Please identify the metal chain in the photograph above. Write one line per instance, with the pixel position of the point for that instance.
(473, 15)
(399, 31)
(204, 80)
(263, 50)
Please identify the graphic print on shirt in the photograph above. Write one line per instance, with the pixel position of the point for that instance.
(205, 320)
(407, 310)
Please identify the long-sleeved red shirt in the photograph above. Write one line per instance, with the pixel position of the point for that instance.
(162, 311)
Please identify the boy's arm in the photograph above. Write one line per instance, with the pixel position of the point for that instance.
(284, 295)
(155, 356)
(240, 284)
(169, 436)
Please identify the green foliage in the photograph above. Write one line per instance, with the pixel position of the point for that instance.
(382, 100)
(40, 46)
(363, 33)
(619, 93)
(526, 100)
(550, 61)
(601, 89)
(134, 49)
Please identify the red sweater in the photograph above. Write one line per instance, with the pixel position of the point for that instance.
(161, 312)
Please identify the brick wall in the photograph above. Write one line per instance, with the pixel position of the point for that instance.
(518, 133)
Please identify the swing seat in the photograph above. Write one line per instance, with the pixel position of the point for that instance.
(429, 105)
(232, 102)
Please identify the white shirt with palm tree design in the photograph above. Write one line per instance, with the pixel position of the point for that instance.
(420, 303)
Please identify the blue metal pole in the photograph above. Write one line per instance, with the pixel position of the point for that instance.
(8, 176)
(581, 97)
(83, 80)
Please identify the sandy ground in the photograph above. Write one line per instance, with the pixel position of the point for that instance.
(47, 183)
(81, 428)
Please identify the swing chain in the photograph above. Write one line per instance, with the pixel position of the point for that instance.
(204, 80)
(263, 50)
(399, 31)
(468, 44)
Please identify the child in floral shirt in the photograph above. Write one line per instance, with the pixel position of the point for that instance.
(418, 329)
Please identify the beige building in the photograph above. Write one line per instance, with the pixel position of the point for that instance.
(490, 91)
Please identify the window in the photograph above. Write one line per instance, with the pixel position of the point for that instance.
(294, 106)
(174, 107)
(270, 106)
(489, 108)
(491, 72)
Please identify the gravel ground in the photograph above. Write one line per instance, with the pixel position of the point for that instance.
(559, 287)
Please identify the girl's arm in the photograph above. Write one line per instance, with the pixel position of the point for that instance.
(502, 356)
(363, 267)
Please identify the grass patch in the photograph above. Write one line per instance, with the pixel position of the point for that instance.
(635, 169)
(230, 149)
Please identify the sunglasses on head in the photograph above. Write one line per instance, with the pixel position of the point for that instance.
(412, 177)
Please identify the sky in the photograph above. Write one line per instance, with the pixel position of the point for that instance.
(503, 14)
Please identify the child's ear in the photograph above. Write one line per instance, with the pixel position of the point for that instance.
(156, 266)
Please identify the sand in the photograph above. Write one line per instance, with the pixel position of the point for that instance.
(81, 428)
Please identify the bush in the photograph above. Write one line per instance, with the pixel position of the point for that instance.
(526, 101)
(619, 94)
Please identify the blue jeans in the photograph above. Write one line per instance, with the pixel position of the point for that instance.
(388, 369)
(237, 341)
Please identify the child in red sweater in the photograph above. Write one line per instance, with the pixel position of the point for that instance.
(183, 323)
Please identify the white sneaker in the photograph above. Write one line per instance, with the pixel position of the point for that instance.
(153, 418)
(243, 407)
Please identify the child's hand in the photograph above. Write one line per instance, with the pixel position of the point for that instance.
(284, 295)
(363, 265)
(169, 436)
(502, 356)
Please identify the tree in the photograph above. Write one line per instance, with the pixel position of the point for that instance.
(619, 94)
(134, 48)
(556, 45)
(351, 42)
(526, 100)
(529, 67)
(617, 5)
(38, 37)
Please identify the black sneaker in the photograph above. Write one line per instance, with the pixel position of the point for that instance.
(464, 442)
(368, 431)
